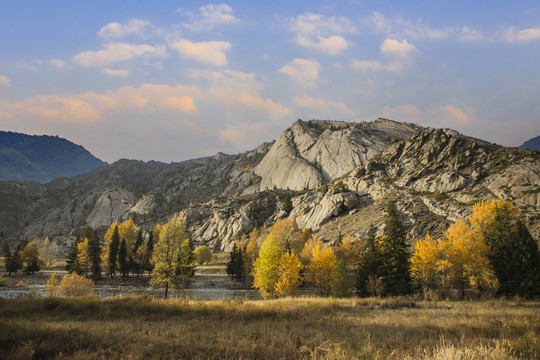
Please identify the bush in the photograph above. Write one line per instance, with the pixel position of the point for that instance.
(75, 285)
(203, 255)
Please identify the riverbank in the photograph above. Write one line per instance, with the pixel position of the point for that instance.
(290, 328)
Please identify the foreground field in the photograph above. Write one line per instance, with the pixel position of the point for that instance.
(295, 328)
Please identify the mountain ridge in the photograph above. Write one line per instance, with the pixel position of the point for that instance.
(42, 158)
(435, 176)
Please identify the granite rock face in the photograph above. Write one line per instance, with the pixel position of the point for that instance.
(308, 154)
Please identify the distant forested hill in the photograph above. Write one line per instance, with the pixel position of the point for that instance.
(42, 158)
(532, 144)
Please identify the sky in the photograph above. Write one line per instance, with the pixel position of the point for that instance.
(176, 80)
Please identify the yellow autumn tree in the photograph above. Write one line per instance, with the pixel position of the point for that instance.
(266, 268)
(349, 251)
(425, 262)
(289, 278)
(126, 230)
(465, 257)
(288, 235)
(307, 252)
(484, 213)
(321, 268)
(82, 256)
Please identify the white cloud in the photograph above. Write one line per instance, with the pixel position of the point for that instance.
(210, 16)
(119, 73)
(319, 32)
(115, 30)
(514, 35)
(211, 52)
(4, 80)
(399, 48)
(443, 116)
(114, 52)
(398, 26)
(465, 33)
(58, 63)
(321, 105)
(304, 71)
(371, 65)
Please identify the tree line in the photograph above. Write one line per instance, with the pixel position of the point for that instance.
(492, 253)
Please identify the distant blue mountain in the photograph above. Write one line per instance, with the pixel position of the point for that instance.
(42, 158)
(532, 144)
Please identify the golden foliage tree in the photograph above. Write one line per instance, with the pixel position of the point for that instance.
(266, 268)
(349, 251)
(167, 254)
(82, 256)
(126, 230)
(321, 268)
(465, 257)
(288, 235)
(425, 262)
(289, 278)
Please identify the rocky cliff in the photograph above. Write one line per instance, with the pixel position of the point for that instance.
(340, 177)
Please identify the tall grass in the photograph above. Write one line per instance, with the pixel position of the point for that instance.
(289, 328)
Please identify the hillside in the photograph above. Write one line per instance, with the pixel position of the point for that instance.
(42, 158)
(532, 144)
(339, 176)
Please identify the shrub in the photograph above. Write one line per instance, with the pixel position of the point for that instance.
(75, 285)
(52, 286)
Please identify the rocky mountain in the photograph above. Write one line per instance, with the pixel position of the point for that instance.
(532, 144)
(42, 158)
(339, 176)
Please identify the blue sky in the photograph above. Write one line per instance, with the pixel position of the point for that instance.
(174, 80)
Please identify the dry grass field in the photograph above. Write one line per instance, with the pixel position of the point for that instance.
(292, 328)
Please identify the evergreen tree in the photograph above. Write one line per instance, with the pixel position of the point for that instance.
(94, 253)
(148, 266)
(287, 204)
(113, 252)
(370, 263)
(514, 256)
(341, 283)
(395, 255)
(235, 265)
(12, 260)
(72, 264)
(122, 259)
(133, 265)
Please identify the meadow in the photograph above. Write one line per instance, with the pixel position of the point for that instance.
(141, 327)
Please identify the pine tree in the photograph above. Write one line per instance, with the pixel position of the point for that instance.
(122, 259)
(370, 263)
(395, 255)
(94, 254)
(72, 263)
(287, 204)
(113, 253)
(341, 283)
(149, 250)
(12, 259)
(134, 266)
(235, 265)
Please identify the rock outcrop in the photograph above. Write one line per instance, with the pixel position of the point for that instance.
(308, 154)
